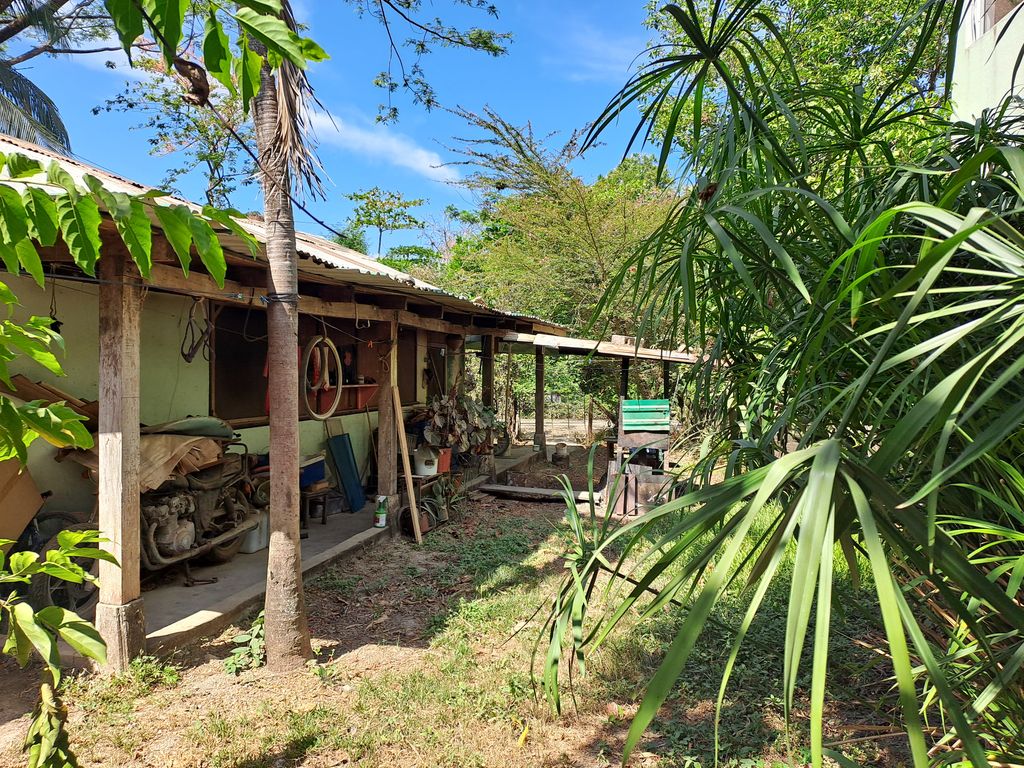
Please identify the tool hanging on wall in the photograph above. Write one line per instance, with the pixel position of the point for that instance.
(319, 360)
(196, 338)
(55, 324)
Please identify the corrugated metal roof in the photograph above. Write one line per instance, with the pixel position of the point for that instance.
(319, 258)
(573, 346)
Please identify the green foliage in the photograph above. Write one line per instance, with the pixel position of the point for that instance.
(546, 238)
(201, 137)
(250, 651)
(458, 422)
(425, 34)
(384, 211)
(410, 257)
(37, 633)
(353, 237)
(50, 201)
(858, 301)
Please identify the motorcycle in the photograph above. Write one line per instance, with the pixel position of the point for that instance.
(193, 516)
(204, 514)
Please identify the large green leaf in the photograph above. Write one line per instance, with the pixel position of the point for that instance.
(42, 215)
(273, 33)
(127, 18)
(217, 51)
(168, 18)
(79, 219)
(209, 249)
(176, 222)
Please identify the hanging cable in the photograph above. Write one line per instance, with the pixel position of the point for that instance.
(55, 324)
(196, 338)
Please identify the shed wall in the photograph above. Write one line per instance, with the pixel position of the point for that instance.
(170, 388)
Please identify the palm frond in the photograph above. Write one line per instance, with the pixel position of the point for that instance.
(27, 113)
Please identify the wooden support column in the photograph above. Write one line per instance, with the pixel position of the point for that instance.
(487, 371)
(456, 361)
(387, 426)
(624, 379)
(539, 437)
(119, 614)
(422, 364)
(666, 379)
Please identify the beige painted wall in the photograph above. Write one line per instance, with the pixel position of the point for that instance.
(170, 388)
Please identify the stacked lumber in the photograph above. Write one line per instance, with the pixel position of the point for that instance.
(28, 390)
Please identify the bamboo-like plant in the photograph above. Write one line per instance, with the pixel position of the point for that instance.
(852, 265)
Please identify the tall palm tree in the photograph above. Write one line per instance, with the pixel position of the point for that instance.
(279, 117)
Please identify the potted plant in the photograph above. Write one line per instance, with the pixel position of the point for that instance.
(446, 499)
(458, 424)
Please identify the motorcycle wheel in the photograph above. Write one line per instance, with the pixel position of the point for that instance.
(225, 553)
(44, 591)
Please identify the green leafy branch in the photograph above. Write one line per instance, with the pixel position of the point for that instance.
(37, 634)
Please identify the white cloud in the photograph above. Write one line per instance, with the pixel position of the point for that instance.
(380, 143)
(100, 62)
(594, 55)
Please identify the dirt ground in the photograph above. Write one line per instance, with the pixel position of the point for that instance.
(423, 659)
(373, 620)
(546, 475)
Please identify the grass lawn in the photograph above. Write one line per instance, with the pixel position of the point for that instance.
(424, 661)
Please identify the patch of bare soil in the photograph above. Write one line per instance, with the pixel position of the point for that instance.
(547, 475)
(20, 688)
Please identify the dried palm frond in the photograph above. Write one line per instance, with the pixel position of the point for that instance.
(294, 142)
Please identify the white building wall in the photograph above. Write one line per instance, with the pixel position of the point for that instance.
(983, 72)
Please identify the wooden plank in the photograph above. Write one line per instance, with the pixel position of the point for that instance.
(414, 514)
(487, 371)
(197, 284)
(539, 494)
(387, 426)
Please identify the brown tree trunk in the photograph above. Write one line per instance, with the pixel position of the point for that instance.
(287, 631)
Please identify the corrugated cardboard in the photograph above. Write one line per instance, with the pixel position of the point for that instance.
(19, 499)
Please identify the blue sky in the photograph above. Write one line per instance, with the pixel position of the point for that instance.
(565, 61)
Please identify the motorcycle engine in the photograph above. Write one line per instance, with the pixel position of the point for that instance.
(172, 518)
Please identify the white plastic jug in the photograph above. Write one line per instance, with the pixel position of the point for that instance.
(425, 460)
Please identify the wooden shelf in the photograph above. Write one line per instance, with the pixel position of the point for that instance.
(358, 396)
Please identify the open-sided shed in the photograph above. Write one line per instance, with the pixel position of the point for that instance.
(150, 351)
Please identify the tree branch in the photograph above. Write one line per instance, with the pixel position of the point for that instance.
(21, 23)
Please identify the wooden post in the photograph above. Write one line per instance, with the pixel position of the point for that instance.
(422, 365)
(410, 489)
(666, 379)
(624, 379)
(487, 371)
(119, 614)
(455, 361)
(387, 426)
(538, 401)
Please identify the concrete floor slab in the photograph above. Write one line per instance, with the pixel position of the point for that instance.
(176, 614)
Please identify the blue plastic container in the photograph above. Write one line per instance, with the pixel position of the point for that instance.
(312, 471)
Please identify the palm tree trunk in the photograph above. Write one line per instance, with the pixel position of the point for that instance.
(287, 632)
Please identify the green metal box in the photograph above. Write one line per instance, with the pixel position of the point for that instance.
(646, 416)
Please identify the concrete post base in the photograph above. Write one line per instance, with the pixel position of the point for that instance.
(123, 628)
